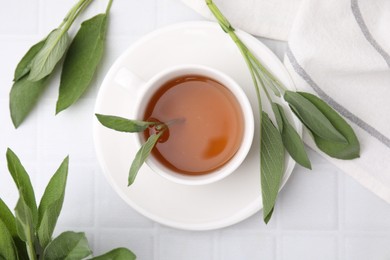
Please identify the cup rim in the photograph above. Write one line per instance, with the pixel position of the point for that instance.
(148, 89)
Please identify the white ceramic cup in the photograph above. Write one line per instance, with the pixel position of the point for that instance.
(145, 90)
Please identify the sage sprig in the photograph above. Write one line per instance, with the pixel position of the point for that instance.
(81, 61)
(28, 234)
(330, 131)
(133, 126)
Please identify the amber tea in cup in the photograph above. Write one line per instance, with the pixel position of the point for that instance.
(210, 123)
(207, 124)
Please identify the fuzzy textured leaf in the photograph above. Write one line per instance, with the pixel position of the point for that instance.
(7, 246)
(291, 140)
(51, 204)
(49, 55)
(123, 124)
(24, 64)
(24, 96)
(24, 220)
(141, 156)
(117, 254)
(346, 151)
(8, 220)
(272, 165)
(23, 183)
(313, 118)
(67, 246)
(81, 61)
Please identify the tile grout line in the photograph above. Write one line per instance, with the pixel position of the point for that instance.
(278, 239)
(96, 230)
(215, 249)
(156, 241)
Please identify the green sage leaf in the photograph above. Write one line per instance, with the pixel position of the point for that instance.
(24, 222)
(8, 220)
(313, 118)
(117, 254)
(51, 204)
(7, 245)
(141, 156)
(122, 124)
(272, 165)
(49, 55)
(346, 151)
(81, 61)
(23, 183)
(24, 64)
(291, 140)
(67, 246)
(23, 97)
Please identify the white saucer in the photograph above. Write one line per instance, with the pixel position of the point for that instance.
(186, 207)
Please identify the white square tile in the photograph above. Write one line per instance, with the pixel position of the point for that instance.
(363, 247)
(309, 247)
(19, 17)
(174, 244)
(23, 141)
(53, 13)
(246, 246)
(363, 209)
(255, 222)
(310, 199)
(132, 17)
(139, 242)
(183, 13)
(113, 212)
(70, 132)
(78, 207)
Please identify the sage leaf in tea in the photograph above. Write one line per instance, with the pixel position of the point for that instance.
(123, 124)
(51, 204)
(24, 66)
(68, 245)
(291, 139)
(47, 58)
(117, 254)
(7, 245)
(141, 156)
(23, 97)
(23, 183)
(271, 164)
(313, 118)
(345, 151)
(81, 61)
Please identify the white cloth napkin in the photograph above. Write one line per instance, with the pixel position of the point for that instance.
(339, 50)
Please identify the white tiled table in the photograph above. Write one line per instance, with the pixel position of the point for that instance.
(323, 214)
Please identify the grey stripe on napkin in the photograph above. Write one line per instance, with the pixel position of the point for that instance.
(363, 27)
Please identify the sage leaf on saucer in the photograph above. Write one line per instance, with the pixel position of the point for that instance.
(291, 139)
(117, 254)
(313, 118)
(49, 55)
(331, 133)
(272, 165)
(81, 61)
(123, 124)
(68, 245)
(51, 204)
(23, 183)
(345, 151)
(24, 66)
(142, 155)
